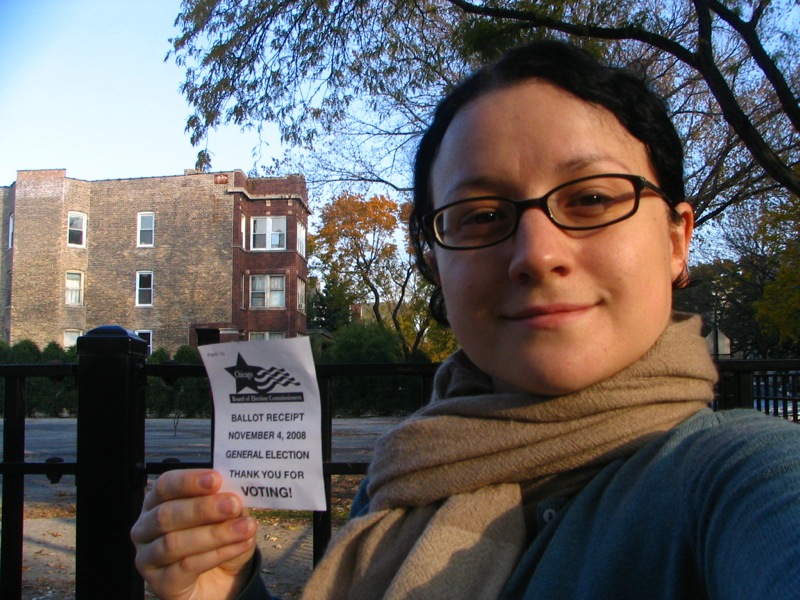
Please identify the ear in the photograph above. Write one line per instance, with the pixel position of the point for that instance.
(680, 237)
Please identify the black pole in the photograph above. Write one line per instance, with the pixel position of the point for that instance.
(110, 474)
(13, 489)
(321, 520)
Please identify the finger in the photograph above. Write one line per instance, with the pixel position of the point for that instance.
(178, 579)
(186, 513)
(180, 483)
(186, 545)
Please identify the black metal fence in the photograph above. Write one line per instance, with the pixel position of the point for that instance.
(111, 472)
(769, 386)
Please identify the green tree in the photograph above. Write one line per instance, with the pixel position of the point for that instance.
(357, 81)
(24, 352)
(193, 395)
(160, 401)
(53, 352)
(439, 342)
(779, 309)
(56, 397)
(733, 289)
(370, 342)
(43, 396)
(725, 294)
(331, 307)
(364, 342)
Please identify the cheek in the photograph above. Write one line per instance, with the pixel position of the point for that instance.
(452, 270)
(459, 284)
(467, 285)
(643, 268)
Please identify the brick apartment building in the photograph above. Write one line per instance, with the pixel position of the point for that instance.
(188, 259)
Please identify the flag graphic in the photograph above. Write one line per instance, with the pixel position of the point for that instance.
(268, 379)
(258, 379)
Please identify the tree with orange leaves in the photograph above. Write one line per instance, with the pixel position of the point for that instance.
(363, 243)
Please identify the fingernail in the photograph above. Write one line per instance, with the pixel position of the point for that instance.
(207, 481)
(243, 526)
(228, 506)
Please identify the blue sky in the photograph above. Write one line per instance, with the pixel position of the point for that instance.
(84, 87)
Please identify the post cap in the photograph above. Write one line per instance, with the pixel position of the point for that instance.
(111, 338)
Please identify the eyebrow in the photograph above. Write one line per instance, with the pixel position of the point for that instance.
(497, 185)
(582, 162)
(564, 168)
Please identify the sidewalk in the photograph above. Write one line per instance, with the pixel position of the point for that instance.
(48, 568)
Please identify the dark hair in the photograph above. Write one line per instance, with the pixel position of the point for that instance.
(640, 110)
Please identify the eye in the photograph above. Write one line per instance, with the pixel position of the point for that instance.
(590, 200)
(594, 202)
(475, 219)
(479, 214)
(482, 216)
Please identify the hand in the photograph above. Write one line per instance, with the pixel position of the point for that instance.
(193, 543)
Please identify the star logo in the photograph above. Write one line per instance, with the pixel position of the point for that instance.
(258, 379)
(244, 374)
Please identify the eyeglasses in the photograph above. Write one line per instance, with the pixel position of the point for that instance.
(586, 203)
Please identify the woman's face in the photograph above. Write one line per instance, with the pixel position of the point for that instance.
(551, 311)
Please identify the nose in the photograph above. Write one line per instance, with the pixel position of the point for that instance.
(539, 249)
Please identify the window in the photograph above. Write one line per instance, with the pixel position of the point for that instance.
(243, 227)
(277, 295)
(74, 289)
(301, 239)
(144, 288)
(260, 336)
(71, 337)
(147, 336)
(301, 295)
(76, 229)
(268, 233)
(11, 230)
(258, 294)
(146, 230)
(267, 291)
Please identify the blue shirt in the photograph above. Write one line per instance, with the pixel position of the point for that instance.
(710, 510)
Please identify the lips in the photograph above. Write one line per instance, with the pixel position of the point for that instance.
(548, 316)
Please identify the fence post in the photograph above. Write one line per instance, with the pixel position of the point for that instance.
(13, 489)
(321, 520)
(110, 476)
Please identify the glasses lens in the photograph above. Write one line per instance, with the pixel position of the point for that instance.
(476, 222)
(593, 203)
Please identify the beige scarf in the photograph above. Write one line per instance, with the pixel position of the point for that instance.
(449, 486)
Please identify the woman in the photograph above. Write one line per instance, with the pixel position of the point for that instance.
(568, 451)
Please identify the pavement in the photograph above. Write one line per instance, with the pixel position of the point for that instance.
(48, 560)
(49, 528)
